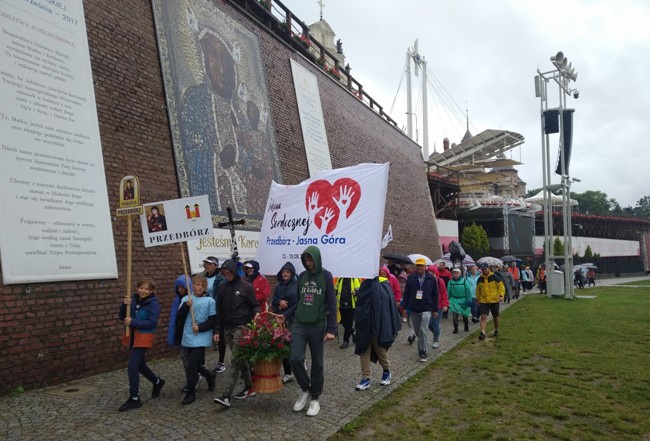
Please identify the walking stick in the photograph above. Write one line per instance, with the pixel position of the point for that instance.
(187, 283)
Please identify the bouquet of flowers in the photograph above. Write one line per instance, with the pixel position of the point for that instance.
(264, 339)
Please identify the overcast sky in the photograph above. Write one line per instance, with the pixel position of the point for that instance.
(484, 55)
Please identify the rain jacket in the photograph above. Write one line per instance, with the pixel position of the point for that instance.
(489, 289)
(285, 290)
(144, 320)
(176, 303)
(354, 286)
(236, 302)
(376, 315)
(394, 283)
(261, 285)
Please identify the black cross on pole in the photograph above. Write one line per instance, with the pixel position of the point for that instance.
(231, 225)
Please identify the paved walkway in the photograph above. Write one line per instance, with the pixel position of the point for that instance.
(87, 409)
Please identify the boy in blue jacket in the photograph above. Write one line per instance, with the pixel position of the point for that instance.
(196, 335)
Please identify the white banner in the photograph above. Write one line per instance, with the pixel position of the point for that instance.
(340, 211)
(219, 245)
(177, 220)
(55, 223)
(311, 119)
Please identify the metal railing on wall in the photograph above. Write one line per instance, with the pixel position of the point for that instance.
(283, 23)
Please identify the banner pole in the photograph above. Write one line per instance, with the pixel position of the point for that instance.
(187, 282)
(129, 233)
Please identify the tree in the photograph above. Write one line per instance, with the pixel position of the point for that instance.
(532, 192)
(588, 252)
(595, 202)
(475, 241)
(558, 247)
(643, 207)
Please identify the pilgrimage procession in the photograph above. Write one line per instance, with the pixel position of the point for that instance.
(212, 229)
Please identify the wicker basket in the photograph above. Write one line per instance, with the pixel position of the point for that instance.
(267, 376)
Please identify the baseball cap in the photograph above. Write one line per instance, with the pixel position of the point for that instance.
(248, 265)
(456, 270)
(420, 261)
(212, 260)
(483, 265)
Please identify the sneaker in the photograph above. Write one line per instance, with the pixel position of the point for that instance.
(314, 408)
(475, 320)
(247, 392)
(130, 404)
(423, 358)
(385, 378)
(190, 397)
(219, 368)
(455, 330)
(411, 339)
(364, 384)
(436, 345)
(496, 333)
(185, 389)
(155, 393)
(481, 336)
(288, 378)
(211, 381)
(224, 400)
(345, 345)
(301, 402)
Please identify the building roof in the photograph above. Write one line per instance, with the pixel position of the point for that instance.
(481, 147)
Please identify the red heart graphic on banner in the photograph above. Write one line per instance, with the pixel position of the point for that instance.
(325, 201)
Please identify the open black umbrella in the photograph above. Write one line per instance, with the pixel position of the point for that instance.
(508, 259)
(398, 258)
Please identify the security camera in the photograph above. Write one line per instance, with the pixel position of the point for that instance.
(576, 94)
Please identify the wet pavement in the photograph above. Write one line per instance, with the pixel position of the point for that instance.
(87, 409)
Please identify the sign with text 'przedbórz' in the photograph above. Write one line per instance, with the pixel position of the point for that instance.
(176, 220)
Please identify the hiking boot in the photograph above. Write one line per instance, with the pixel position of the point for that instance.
(224, 400)
(130, 404)
(211, 381)
(481, 336)
(345, 345)
(496, 333)
(247, 392)
(219, 368)
(455, 330)
(301, 402)
(364, 384)
(411, 339)
(190, 397)
(385, 378)
(155, 393)
(475, 320)
(314, 408)
(466, 326)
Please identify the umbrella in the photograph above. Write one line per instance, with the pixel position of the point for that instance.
(415, 257)
(508, 259)
(466, 261)
(492, 261)
(590, 266)
(398, 258)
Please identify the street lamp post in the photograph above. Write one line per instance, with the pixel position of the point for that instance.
(563, 74)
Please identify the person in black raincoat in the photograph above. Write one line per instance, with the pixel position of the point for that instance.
(285, 296)
(377, 324)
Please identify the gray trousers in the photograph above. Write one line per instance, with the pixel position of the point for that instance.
(301, 336)
(420, 322)
(232, 336)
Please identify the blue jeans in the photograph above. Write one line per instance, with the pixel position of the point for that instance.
(137, 366)
(434, 325)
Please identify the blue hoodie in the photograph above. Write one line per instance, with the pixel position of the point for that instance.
(171, 329)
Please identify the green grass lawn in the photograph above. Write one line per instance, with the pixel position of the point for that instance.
(638, 283)
(561, 370)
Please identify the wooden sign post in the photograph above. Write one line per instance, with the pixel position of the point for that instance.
(129, 206)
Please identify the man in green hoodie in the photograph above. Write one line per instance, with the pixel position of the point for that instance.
(314, 323)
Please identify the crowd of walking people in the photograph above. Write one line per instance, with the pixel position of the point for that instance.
(312, 303)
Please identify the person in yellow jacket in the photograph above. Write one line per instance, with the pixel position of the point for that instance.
(489, 293)
(346, 298)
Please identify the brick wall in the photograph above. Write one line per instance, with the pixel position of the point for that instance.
(62, 331)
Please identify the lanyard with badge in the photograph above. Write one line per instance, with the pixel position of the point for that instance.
(419, 293)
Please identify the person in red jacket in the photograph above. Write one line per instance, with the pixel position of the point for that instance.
(261, 285)
(443, 305)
